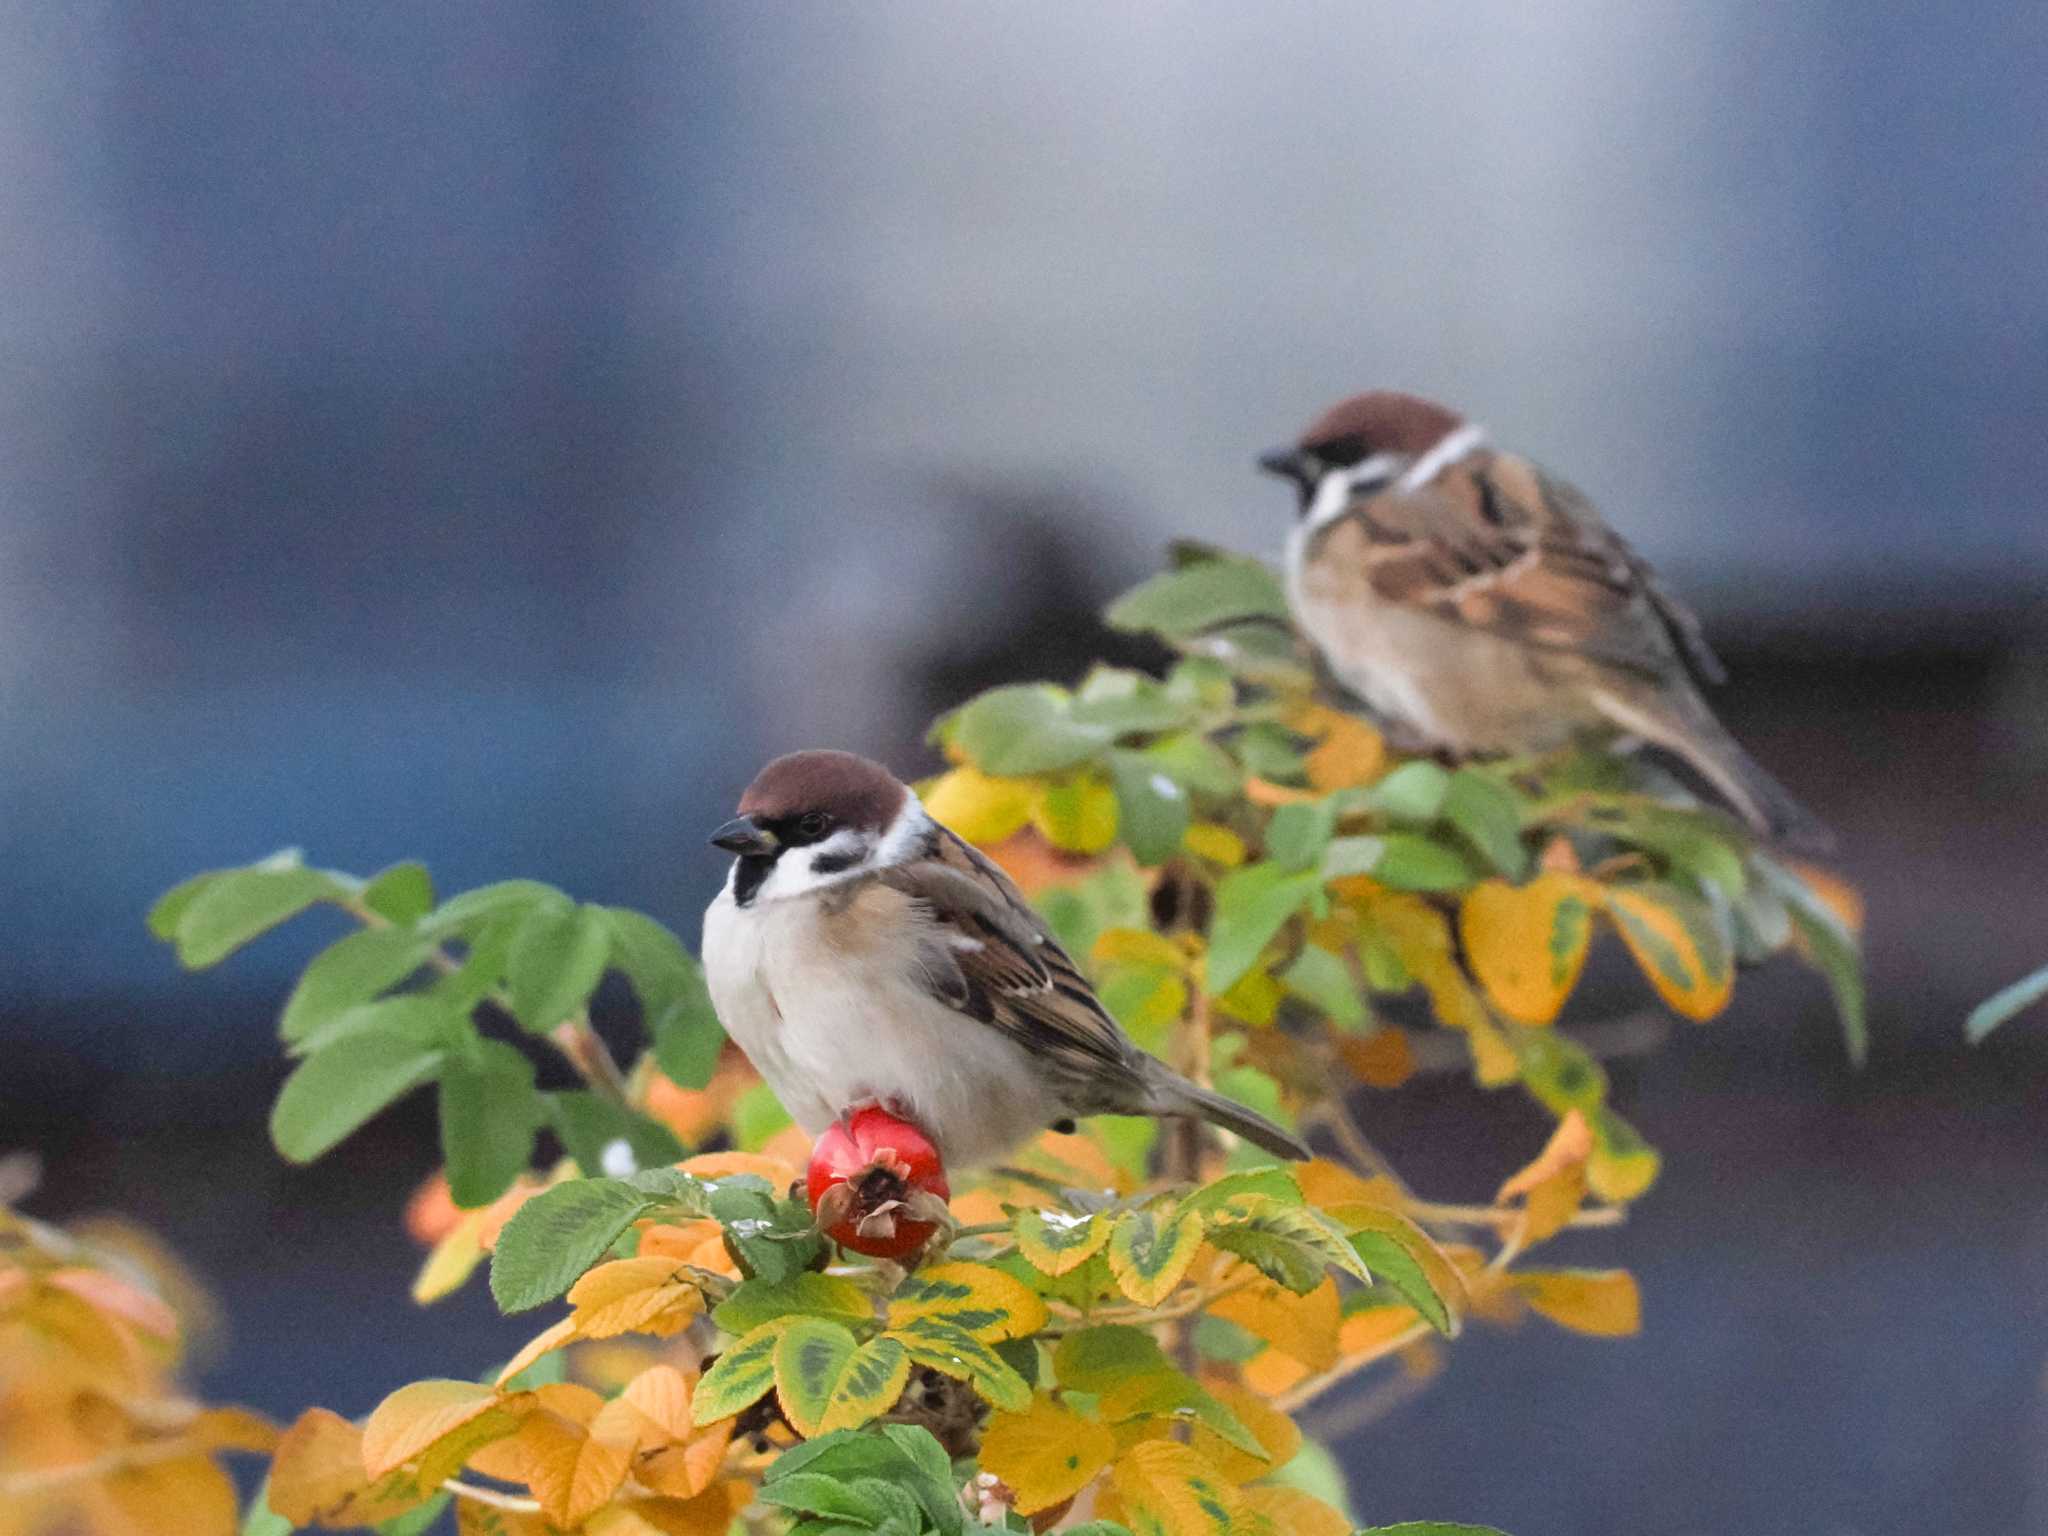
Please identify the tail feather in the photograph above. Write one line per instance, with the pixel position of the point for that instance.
(1175, 1095)
(1681, 723)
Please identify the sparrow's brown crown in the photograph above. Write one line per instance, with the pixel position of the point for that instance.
(852, 790)
(1383, 421)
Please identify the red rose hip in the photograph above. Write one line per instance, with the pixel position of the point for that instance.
(876, 1184)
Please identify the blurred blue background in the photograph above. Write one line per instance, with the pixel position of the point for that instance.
(485, 435)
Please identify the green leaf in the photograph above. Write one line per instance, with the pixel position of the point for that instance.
(1195, 763)
(588, 1123)
(504, 897)
(1151, 807)
(558, 1234)
(1269, 752)
(1097, 1359)
(558, 958)
(1412, 792)
(489, 1114)
(1267, 1183)
(675, 1005)
(1024, 729)
(1291, 1245)
(684, 1194)
(1173, 1394)
(770, 1239)
(168, 908)
(1252, 905)
(754, 1302)
(1298, 833)
(905, 1455)
(1054, 1242)
(811, 1356)
(757, 1117)
(1394, 1265)
(1487, 811)
(348, 972)
(260, 1519)
(737, 1378)
(335, 1090)
(1559, 1072)
(1323, 979)
(1182, 603)
(423, 1018)
(1150, 1250)
(401, 894)
(416, 1522)
(2002, 1005)
(234, 907)
(1409, 861)
(951, 1352)
(864, 1501)
(1130, 703)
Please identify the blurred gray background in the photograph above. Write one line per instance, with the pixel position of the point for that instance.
(484, 434)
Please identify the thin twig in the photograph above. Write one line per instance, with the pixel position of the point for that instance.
(1498, 1216)
(1343, 1370)
(491, 1496)
(1367, 1407)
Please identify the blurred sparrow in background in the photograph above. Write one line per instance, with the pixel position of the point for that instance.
(860, 953)
(1477, 604)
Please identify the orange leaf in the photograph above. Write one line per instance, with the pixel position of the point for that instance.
(711, 1513)
(720, 1165)
(1331, 1187)
(1604, 1302)
(1351, 753)
(1271, 1372)
(685, 1470)
(317, 1476)
(1373, 1330)
(411, 1419)
(571, 1470)
(1304, 1327)
(1527, 944)
(1046, 1454)
(1673, 937)
(545, 1342)
(1277, 1434)
(1381, 1059)
(1291, 1512)
(1834, 893)
(189, 1497)
(113, 1295)
(1569, 1147)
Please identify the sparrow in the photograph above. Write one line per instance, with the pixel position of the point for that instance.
(862, 953)
(1479, 605)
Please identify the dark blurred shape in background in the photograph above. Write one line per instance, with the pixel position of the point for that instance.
(486, 438)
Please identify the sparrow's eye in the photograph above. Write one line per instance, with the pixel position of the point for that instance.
(814, 826)
(1340, 452)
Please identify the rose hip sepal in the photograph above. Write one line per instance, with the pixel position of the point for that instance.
(877, 1185)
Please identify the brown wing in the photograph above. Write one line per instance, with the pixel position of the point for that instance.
(1497, 544)
(990, 956)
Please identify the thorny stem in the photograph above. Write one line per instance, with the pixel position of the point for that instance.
(577, 1042)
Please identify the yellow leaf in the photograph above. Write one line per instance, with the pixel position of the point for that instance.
(189, 1496)
(452, 1261)
(980, 807)
(1137, 946)
(711, 1513)
(1676, 945)
(1602, 1302)
(637, 1295)
(1166, 1489)
(1351, 753)
(545, 1342)
(869, 1387)
(685, 1470)
(1375, 1330)
(1077, 814)
(1255, 997)
(1421, 937)
(981, 1302)
(411, 1419)
(1287, 1511)
(1277, 1434)
(1046, 1454)
(1149, 1252)
(1527, 944)
(1055, 1241)
(1569, 1147)
(1216, 843)
(661, 1395)
(1266, 792)
(232, 1429)
(317, 1476)
(1336, 1189)
(115, 1297)
(1304, 1327)
(1623, 1165)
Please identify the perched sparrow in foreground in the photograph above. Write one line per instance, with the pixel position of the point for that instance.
(860, 953)
(1479, 605)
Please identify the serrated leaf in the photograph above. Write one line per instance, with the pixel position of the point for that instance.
(981, 1302)
(1276, 1184)
(1290, 1244)
(1252, 905)
(1170, 1490)
(1394, 1263)
(350, 971)
(334, 1091)
(1175, 1395)
(318, 1472)
(1024, 729)
(953, 1353)
(401, 893)
(410, 1421)
(646, 1294)
(1677, 945)
(1096, 1359)
(905, 1455)
(1526, 945)
(739, 1377)
(217, 918)
(755, 1302)
(558, 957)
(557, 1235)
(489, 1115)
(1056, 1242)
(870, 1386)
(1152, 807)
(1046, 1454)
(811, 1357)
(1150, 1251)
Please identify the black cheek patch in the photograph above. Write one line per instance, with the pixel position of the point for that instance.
(836, 863)
(748, 873)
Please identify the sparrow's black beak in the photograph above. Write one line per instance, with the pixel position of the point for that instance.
(744, 835)
(1289, 464)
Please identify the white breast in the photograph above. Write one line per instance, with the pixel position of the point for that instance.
(830, 1024)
